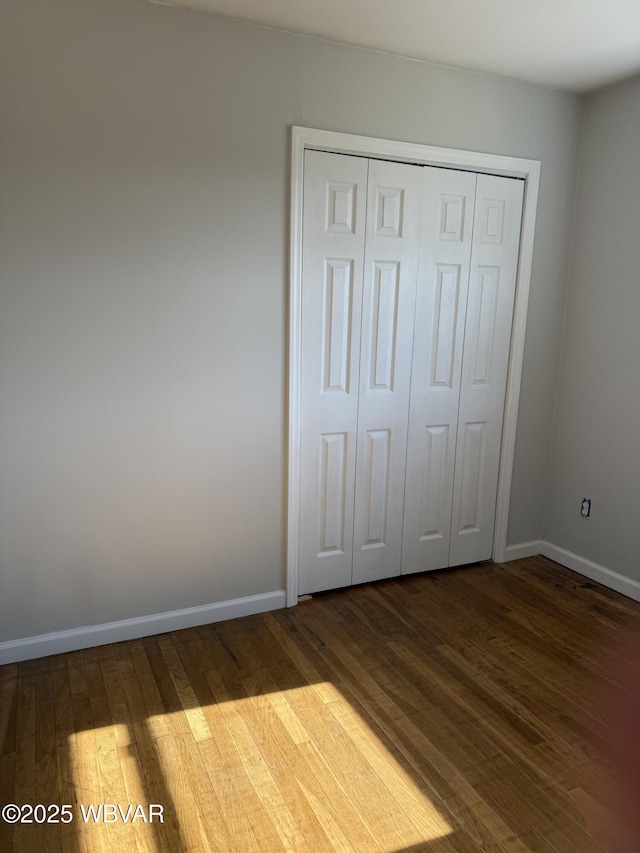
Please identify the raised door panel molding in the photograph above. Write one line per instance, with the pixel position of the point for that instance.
(482, 329)
(378, 459)
(332, 483)
(452, 217)
(341, 207)
(389, 211)
(429, 487)
(384, 325)
(445, 319)
(337, 321)
(434, 515)
(491, 220)
(471, 476)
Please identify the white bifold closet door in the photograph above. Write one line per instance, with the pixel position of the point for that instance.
(406, 322)
(360, 259)
(464, 309)
(392, 243)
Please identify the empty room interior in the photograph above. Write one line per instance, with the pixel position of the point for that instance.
(319, 426)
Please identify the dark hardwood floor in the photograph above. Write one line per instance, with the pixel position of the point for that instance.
(461, 711)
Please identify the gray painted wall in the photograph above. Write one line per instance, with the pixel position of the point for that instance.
(143, 309)
(596, 445)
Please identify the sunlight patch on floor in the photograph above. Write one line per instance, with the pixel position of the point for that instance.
(295, 764)
(105, 769)
(312, 762)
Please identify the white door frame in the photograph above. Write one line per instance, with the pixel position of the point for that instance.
(386, 149)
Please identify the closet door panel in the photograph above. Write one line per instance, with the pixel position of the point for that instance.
(394, 203)
(335, 189)
(488, 325)
(447, 221)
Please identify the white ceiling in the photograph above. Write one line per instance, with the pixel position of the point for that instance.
(579, 45)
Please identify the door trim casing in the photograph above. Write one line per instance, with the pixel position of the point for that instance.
(303, 138)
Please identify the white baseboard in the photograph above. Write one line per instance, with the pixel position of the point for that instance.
(174, 620)
(591, 570)
(576, 563)
(143, 626)
(523, 549)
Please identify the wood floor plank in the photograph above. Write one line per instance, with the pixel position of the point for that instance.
(440, 770)
(8, 708)
(189, 821)
(47, 790)
(542, 682)
(203, 793)
(148, 838)
(334, 804)
(117, 700)
(7, 786)
(190, 707)
(25, 835)
(257, 770)
(111, 777)
(144, 773)
(283, 760)
(125, 775)
(450, 712)
(238, 800)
